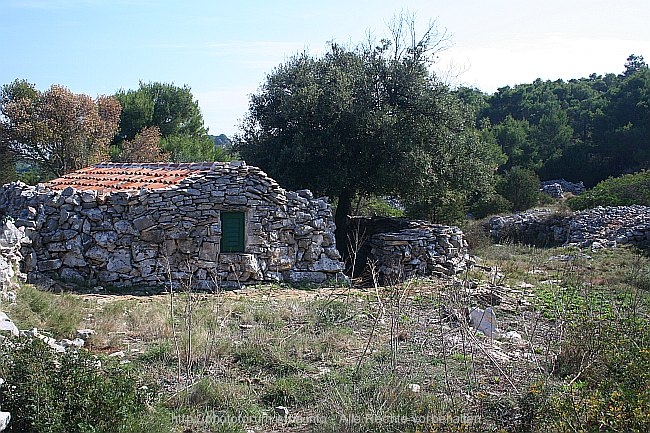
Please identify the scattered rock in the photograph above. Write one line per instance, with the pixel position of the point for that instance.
(7, 325)
(600, 227)
(484, 321)
(85, 334)
(414, 387)
(282, 411)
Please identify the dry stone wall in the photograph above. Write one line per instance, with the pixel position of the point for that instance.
(601, 226)
(172, 235)
(399, 249)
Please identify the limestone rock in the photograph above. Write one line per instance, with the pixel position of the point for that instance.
(484, 321)
(7, 325)
(5, 418)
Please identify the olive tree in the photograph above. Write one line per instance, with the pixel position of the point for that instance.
(368, 120)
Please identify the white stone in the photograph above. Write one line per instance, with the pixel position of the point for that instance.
(484, 321)
(5, 418)
(282, 411)
(414, 387)
(7, 325)
(85, 334)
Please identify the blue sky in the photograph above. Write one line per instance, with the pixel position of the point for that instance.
(224, 49)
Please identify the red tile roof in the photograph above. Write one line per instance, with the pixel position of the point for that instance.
(110, 177)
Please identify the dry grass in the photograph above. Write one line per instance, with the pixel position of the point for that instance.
(336, 356)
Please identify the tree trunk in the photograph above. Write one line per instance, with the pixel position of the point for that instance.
(343, 210)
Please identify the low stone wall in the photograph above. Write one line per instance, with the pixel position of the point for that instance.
(540, 227)
(601, 226)
(399, 249)
(169, 235)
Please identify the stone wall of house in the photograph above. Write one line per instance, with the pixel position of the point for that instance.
(600, 226)
(172, 235)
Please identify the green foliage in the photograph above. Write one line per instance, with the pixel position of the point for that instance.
(194, 149)
(176, 114)
(224, 396)
(520, 187)
(329, 312)
(619, 191)
(490, 204)
(75, 391)
(277, 359)
(609, 364)
(374, 401)
(371, 206)
(373, 121)
(7, 159)
(585, 129)
(171, 108)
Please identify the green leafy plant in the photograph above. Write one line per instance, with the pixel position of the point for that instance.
(617, 191)
(76, 391)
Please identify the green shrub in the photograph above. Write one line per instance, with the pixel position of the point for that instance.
(625, 190)
(520, 187)
(59, 314)
(491, 204)
(330, 312)
(222, 396)
(48, 392)
(604, 372)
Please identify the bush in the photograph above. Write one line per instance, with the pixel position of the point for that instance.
(520, 187)
(290, 390)
(48, 392)
(491, 204)
(603, 368)
(619, 191)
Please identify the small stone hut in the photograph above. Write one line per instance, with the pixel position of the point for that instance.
(202, 224)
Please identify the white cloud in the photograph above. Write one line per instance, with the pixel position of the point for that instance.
(549, 57)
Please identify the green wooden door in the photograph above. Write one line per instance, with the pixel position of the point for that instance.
(232, 232)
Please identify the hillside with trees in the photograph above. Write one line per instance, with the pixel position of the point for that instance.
(584, 129)
(357, 124)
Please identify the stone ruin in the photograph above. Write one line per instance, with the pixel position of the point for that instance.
(12, 240)
(396, 249)
(150, 225)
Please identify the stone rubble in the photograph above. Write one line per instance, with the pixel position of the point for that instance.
(598, 227)
(154, 238)
(12, 240)
(5, 418)
(557, 188)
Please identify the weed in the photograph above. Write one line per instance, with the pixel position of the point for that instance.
(292, 390)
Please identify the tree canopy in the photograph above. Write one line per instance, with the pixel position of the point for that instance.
(56, 130)
(584, 129)
(174, 112)
(373, 119)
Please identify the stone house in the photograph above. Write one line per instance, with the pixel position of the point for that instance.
(202, 224)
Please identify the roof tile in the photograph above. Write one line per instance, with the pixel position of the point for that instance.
(111, 177)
